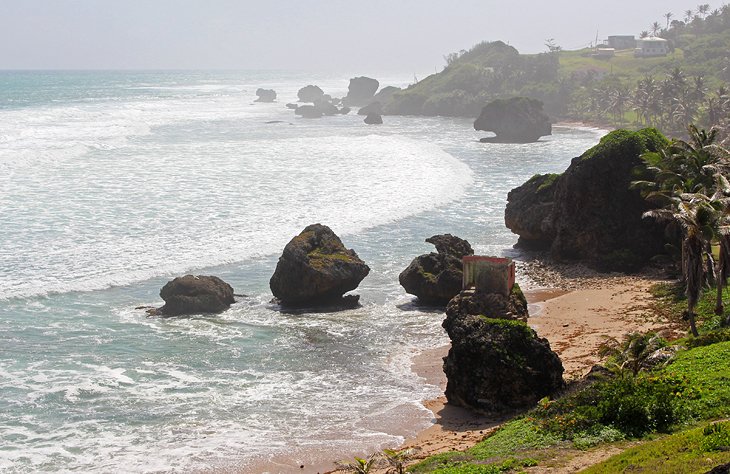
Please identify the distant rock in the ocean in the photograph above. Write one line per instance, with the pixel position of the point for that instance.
(292, 106)
(326, 107)
(310, 93)
(515, 120)
(373, 108)
(308, 111)
(345, 110)
(385, 94)
(373, 119)
(361, 91)
(265, 95)
(435, 278)
(194, 295)
(316, 269)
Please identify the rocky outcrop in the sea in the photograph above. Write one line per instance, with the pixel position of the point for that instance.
(496, 364)
(373, 119)
(265, 95)
(515, 120)
(385, 94)
(360, 91)
(373, 108)
(310, 93)
(590, 213)
(435, 278)
(529, 210)
(308, 111)
(316, 268)
(326, 107)
(192, 294)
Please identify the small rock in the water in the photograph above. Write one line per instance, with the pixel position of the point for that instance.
(373, 119)
(195, 294)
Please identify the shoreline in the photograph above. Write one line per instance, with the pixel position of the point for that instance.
(575, 322)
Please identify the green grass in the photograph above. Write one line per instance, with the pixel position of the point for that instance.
(504, 450)
(685, 452)
(624, 64)
(707, 370)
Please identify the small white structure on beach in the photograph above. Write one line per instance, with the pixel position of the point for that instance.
(651, 46)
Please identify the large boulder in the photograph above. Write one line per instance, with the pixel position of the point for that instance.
(326, 107)
(316, 268)
(265, 95)
(496, 364)
(310, 93)
(590, 213)
(515, 120)
(195, 294)
(372, 108)
(361, 91)
(308, 111)
(435, 278)
(373, 119)
(529, 210)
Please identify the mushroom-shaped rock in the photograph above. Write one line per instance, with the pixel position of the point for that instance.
(265, 95)
(192, 294)
(316, 268)
(515, 120)
(496, 364)
(310, 93)
(372, 108)
(361, 91)
(373, 119)
(435, 278)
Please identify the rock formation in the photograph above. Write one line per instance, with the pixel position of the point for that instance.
(310, 93)
(373, 119)
(326, 107)
(316, 268)
(373, 108)
(265, 95)
(589, 212)
(195, 294)
(435, 278)
(308, 111)
(515, 120)
(496, 364)
(529, 211)
(385, 94)
(360, 91)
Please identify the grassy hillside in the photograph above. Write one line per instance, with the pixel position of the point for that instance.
(687, 86)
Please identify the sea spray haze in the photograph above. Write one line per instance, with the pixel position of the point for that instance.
(112, 183)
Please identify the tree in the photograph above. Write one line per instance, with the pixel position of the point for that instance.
(688, 16)
(655, 28)
(552, 46)
(703, 9)
(668, 16)
(644, 34)
(398, 459)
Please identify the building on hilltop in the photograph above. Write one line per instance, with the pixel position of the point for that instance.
(651, 46)
(622, 42)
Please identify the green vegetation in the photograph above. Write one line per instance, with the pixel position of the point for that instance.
(694, 387)
(691, 451)
(689, 85)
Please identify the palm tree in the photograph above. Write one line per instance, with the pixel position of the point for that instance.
(632, 353)
(688, 16)
(668, 16)
(360, 466)
(691, 186)
(703, 9)
(398, 459)
(644, 34)
(655, 28)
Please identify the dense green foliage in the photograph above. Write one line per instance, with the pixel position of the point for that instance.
(626, 142)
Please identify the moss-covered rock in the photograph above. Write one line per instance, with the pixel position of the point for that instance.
(192, 294)
(589, 212)
(435, 278)
(316, 268)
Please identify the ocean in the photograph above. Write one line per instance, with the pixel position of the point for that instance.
(113, 183)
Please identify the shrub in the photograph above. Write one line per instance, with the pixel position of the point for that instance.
(716, 437)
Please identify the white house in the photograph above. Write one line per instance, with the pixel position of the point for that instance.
(651, 46)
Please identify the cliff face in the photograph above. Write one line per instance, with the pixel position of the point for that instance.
(593, 215)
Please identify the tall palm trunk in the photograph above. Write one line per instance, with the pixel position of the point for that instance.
(723, 272)
(693, 246)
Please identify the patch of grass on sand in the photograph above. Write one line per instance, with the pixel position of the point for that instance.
(685, 452)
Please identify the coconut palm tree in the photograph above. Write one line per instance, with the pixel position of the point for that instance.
(655, 28)
(703, 9)
(668, 16)
(688, 16)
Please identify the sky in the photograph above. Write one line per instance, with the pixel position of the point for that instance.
(306, 35)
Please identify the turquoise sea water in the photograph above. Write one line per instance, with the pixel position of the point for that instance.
(113, 183)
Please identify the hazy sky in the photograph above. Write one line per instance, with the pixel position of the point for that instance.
(316, 35)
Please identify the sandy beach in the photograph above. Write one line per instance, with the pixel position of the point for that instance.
(573, 307)
(577, 314)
